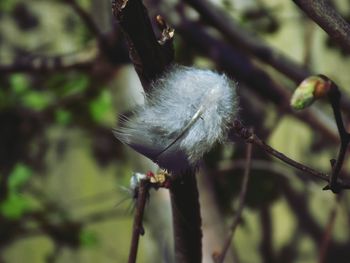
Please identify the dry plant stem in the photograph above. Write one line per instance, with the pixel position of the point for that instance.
(186, 219)
(250, 137)
(219, 258)
(328, 232)
(328, 19)
(137, 226)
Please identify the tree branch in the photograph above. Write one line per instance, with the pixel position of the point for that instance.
(149, 57)
(328, 19)
(86, 17)
(142, 193)
(219, 257)
(186, 219)
(250, 137)
(241, 68)
(246, 41)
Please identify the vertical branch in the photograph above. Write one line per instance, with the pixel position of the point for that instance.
(334, 98)
(219, 258)
(150, 58)
(326, 240)
(138, 230)
(186, 219)
(266, 242)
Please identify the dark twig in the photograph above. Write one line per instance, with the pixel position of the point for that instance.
(150, 58)
(246, 41)
(266, 243)
(186, 219)
(334, 96)
(250, 137)
(137, 226)
(86, 17)
(326, 240)
(251, 44)
(219, 258)
(241, 68)
(328, 19)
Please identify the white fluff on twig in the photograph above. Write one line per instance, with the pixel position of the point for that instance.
(185, 114)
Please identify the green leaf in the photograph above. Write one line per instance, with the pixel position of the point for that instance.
(63, 117)
(76, 85)
(18, 177)
(7, 5)
(101, 106)
(19, 83)
(14, 206)
(88, 238)
(36, 100)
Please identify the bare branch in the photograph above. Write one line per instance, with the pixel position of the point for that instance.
(186, 219)
(86, 17)
(328, 19)
(219, 258)
(250, 137)
(149, 57)
(246, 41)
(326, 240)
(137, 226)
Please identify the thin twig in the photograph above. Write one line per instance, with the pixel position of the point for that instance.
(86, 17)
(326, 240)
(240, 67)
(250, 137)
(328, 19)
(246, 41)
(334, 96)
(219, 258)
(137, 226)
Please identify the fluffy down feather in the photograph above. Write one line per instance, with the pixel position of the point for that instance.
(186, 113)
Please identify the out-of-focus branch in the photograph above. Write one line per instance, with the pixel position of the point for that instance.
(80, 60)
(86, 17)
(328, 19)
(149, 57)
(251, 44)
(266, 247)
(219, 257)
(241, 68)
(327, 236)
(246, 41)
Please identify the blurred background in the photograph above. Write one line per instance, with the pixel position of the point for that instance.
(65, 76)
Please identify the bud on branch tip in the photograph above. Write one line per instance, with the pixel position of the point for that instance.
(310, 90)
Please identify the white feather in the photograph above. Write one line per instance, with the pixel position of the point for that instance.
(186, 113)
